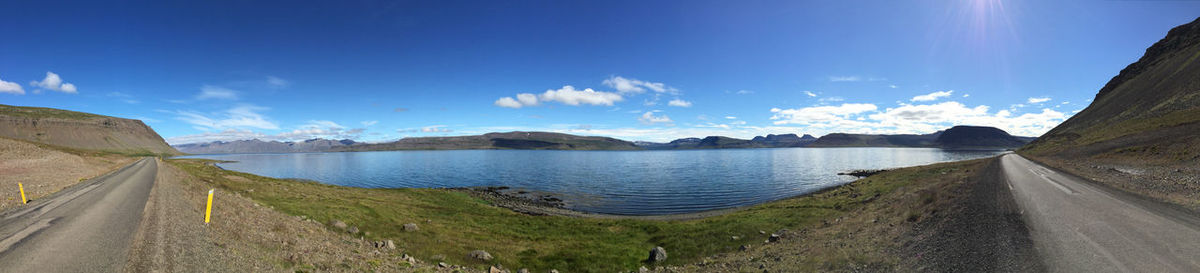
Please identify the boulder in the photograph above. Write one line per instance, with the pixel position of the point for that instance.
(553, 270)
(389, 244)
(657, 254)
(411, 227)
(338, 224)
(494, 269)
(523, 270)
(353, 230)
(480, 255)
(773, 238)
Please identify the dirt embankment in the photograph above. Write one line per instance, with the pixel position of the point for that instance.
(80, 130)
(44, 171)
(244, 236)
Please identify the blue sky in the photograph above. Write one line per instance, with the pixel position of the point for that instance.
(637, 70)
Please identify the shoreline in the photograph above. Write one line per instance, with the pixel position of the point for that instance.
(530, 203)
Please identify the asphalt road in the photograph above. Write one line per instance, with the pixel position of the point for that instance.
(85, 228)
(1078, 226)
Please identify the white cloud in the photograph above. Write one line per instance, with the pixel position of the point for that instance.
(635, 86)
(216, 92)
(527, 99)
(435, 129)
(566, 95)
(831, 99)
(368, 123)
(914, 119)
(1038, 100)
(730, 117)
(11, 88)
(650, 119)
(679, 103)
(55, 83)
(810, 93)
(508, 102)
(313, 129)
(845, 78)
(966, 95)
(278, 83)
(744, 92)
(932, 96)
(893, 86)
(240, 117)
(819, 114)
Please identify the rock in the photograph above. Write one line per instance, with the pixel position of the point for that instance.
(389, 244)
(352, 230)
(523, 270)
(377, 244)
(657, 254)
(762, 232)
(735, 238)
(744, 247)
(553, 270)
(443, 265)
(773, 238)
(338, 224)
(494, 269)
(480, 255)
(411, 227)
(643, 269)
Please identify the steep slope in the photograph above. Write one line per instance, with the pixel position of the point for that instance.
(1158, 93)
(259, 146)
(977, 137)
(509, 140)
(1142, 131)
(80, 130)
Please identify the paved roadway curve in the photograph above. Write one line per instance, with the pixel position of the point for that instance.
(1078, 226)
(85, 228)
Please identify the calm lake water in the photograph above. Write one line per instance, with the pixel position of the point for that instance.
(613, 182)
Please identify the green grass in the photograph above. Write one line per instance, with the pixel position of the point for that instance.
(458, 223)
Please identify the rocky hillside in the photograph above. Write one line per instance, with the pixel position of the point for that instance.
(259, 146)
(1157, 95)
(80, 130)
(978, 137)
(1142, 131)
(508, 141)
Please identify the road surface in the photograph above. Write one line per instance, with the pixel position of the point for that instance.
(1077, 226)
(85, 228)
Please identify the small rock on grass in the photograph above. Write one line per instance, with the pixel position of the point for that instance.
(389, 244)
(480, 255)
(411, 227)
(523, 270)
(338, 224)
(657, 254)
(352, 230)
(773, 238)
(494, 269)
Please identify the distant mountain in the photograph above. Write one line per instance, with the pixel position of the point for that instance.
(508, 141)
(865, 140)
(720, 142)
(259, 146)
(957, 137)
(978, 137)
(80, 130)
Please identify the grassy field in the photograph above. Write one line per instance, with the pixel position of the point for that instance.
(453, 223)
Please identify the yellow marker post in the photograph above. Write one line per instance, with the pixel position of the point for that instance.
(23, 200)
(208, 208)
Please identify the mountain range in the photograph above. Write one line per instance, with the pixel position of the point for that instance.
(956, 137)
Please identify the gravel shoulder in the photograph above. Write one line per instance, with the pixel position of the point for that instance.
(44, 171)
(244, 236)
